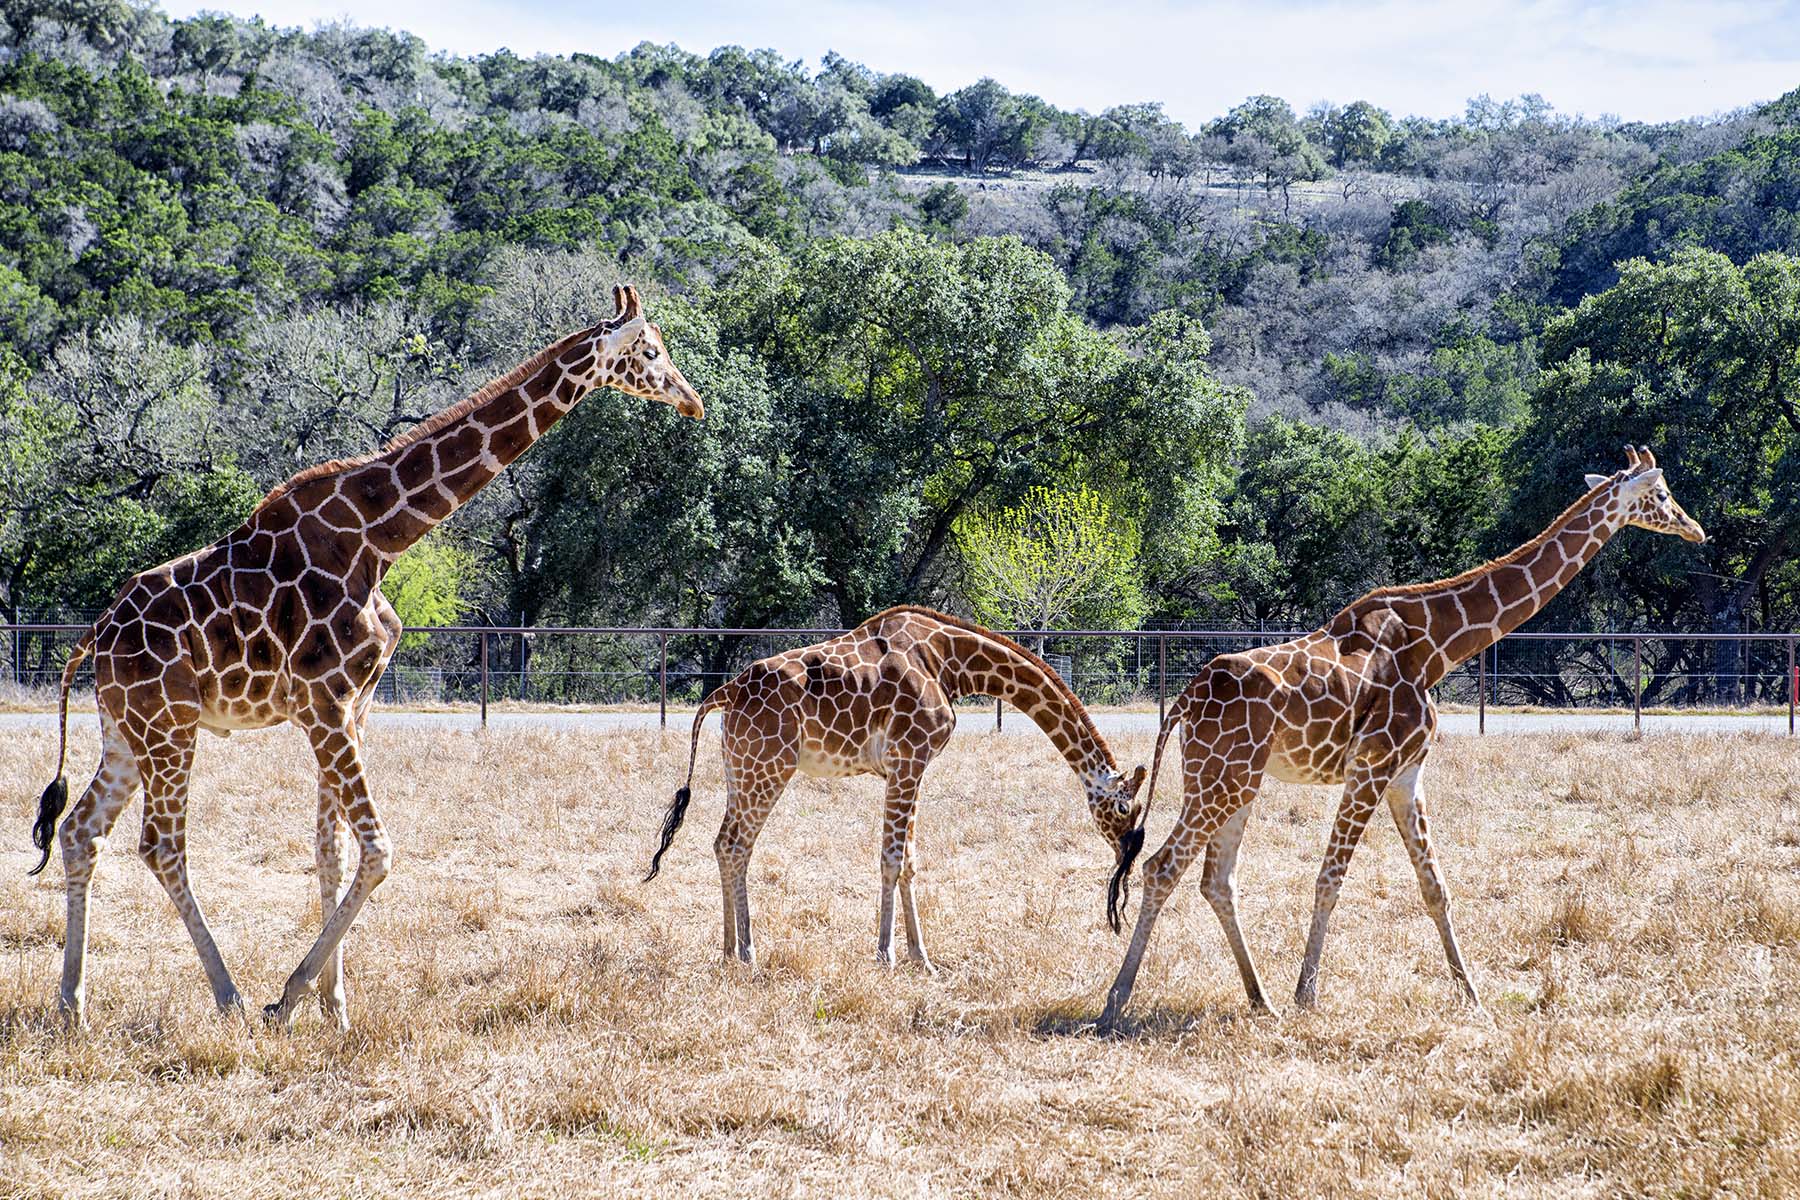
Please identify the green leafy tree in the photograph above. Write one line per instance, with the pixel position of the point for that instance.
(1054, 558)
(427, 584)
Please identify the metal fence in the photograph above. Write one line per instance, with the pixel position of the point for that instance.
(639, 666)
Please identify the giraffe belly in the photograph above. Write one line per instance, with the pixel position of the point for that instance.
(825, 764)
(241, 715)
(824, 756)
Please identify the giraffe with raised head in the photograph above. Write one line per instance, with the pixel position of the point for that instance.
(1350, 704)
(879, 701)
(283, 620)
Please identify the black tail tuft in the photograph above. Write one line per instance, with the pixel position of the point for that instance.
(671, 822)
(1118, 891)
(43, 830)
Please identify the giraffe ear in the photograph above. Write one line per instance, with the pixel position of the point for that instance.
(1594, 481)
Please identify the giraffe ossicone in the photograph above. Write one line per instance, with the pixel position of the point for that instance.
(879, 700)
(283, 620)
(1350, 704)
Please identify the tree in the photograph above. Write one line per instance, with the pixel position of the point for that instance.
(1054, 558)
(1355, 133)
(426, 584)
(1698, 358)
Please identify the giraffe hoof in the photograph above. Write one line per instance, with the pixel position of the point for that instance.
(231, 1005)
(278, 1016)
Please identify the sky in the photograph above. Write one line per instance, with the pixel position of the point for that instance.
(1651, 60)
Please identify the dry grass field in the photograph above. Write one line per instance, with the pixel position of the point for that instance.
(530, 1020)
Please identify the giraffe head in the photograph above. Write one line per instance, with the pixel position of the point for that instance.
(1644, 496)
(635, 361)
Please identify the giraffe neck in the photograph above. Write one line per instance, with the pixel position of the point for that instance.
(982, 666)
(1467, 614)
(423, 476)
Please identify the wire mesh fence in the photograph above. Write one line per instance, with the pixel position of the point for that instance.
(662, 668)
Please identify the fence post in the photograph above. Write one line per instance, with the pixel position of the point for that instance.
(1481, 692)
(1637, 685)
(1793, 684)
(1162, 677)
(998, 705)
(662, 683)
(484, 678)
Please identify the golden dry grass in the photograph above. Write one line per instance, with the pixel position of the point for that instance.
(530, 1020)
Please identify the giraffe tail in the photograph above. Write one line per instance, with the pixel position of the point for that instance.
(1118, 889)
(56, 796)
(672, 819)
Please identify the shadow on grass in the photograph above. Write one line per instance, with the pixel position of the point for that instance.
(1152, 1024)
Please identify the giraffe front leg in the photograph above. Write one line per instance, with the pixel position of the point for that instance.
(896, 850)
(1406, 800)
(333, 834)
(80, 838)
(1360, 795)
(340, 765)
(915, 933)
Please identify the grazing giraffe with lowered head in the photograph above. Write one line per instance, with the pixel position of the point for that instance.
(1350, 703)
(879, 701)
(283, 620)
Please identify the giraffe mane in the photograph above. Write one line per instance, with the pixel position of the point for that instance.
(1511, 556)
(1057, 682)
(432, 424)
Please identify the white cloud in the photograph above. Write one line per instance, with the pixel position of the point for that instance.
(1654, 60)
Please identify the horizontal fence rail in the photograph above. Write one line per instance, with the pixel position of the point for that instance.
(638, 665)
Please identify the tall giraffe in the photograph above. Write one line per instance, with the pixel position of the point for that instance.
(283, 620)
(1350, 703)
(879, 701)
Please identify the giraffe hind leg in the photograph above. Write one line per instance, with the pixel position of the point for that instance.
(82, 834)
(166, 766)
(1218, 882)
(750, 794)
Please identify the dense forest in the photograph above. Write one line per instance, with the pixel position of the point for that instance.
(1234, 374)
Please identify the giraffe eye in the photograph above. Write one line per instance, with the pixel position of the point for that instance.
(650, 353)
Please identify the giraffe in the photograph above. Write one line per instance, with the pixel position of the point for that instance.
(283, 620)
(1350, 704)
(878, 701)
